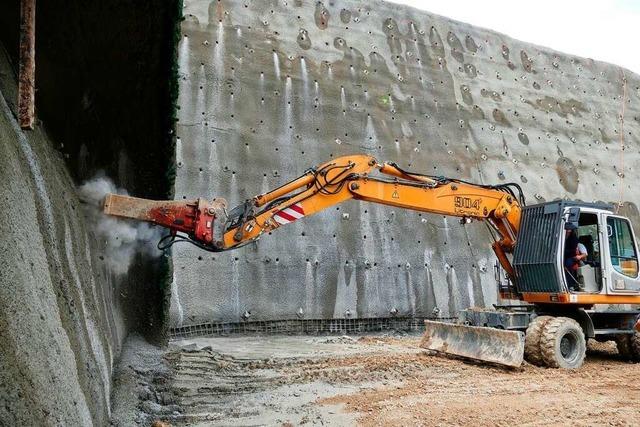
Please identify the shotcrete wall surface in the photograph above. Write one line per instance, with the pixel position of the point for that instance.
(268, 89)
(61, 323)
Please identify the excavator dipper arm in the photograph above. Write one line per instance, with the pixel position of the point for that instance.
(358, 177)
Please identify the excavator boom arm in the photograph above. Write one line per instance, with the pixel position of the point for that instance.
(358, 177)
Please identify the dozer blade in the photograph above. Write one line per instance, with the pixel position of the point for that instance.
(474, 342)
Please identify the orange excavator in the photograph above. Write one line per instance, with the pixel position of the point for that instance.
(555, 299)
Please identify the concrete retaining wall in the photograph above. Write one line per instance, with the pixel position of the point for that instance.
(268, 89)
(61, 318)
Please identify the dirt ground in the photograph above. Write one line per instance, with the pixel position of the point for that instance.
(441, 391)
(382, 380)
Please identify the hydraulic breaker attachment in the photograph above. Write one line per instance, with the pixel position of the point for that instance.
(193, 217)
(475, 342)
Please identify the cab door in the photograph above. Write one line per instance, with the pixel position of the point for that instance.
(621, 256)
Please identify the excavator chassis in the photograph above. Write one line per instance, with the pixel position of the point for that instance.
(500, 336)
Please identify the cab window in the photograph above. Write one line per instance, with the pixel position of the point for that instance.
(622, 247)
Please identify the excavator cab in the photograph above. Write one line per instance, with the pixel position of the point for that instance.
(611, 266)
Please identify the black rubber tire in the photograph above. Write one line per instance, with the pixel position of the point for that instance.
(563, 344)
(532, 340)
(629, 346)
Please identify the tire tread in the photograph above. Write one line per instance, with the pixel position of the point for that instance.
(532, 338)
(629, 346)
(549, 337)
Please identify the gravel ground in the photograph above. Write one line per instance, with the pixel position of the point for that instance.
(372, 380)
(443, 391)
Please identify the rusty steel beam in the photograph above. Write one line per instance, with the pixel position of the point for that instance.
(27, 77)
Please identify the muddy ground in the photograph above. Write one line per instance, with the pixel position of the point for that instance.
(371, 380)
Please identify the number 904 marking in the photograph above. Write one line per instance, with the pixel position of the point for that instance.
(467, 203)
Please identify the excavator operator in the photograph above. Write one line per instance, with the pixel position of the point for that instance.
(572, 257)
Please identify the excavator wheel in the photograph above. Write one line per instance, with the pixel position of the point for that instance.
(562, 343)
(629, 346)
(532, 340)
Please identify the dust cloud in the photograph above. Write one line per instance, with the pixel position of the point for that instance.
(120, 239)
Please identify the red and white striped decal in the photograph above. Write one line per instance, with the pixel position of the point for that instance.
(289, 214)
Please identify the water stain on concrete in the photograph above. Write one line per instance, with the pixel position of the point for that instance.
(567, 173)
(500, 117)
(523, 138)
(467, 98)
(456, 47)
(304, 41)
(470, 43)
(470, 70)
(505, 51)
(436, 44)
(491, 94)
(477, 113)
(549, 104)
(345, 16)
(394, 39)
(527, 62)
(216, 12)
(603, 136)
(321, 16)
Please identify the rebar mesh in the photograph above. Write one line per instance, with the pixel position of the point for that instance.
(304, 326)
